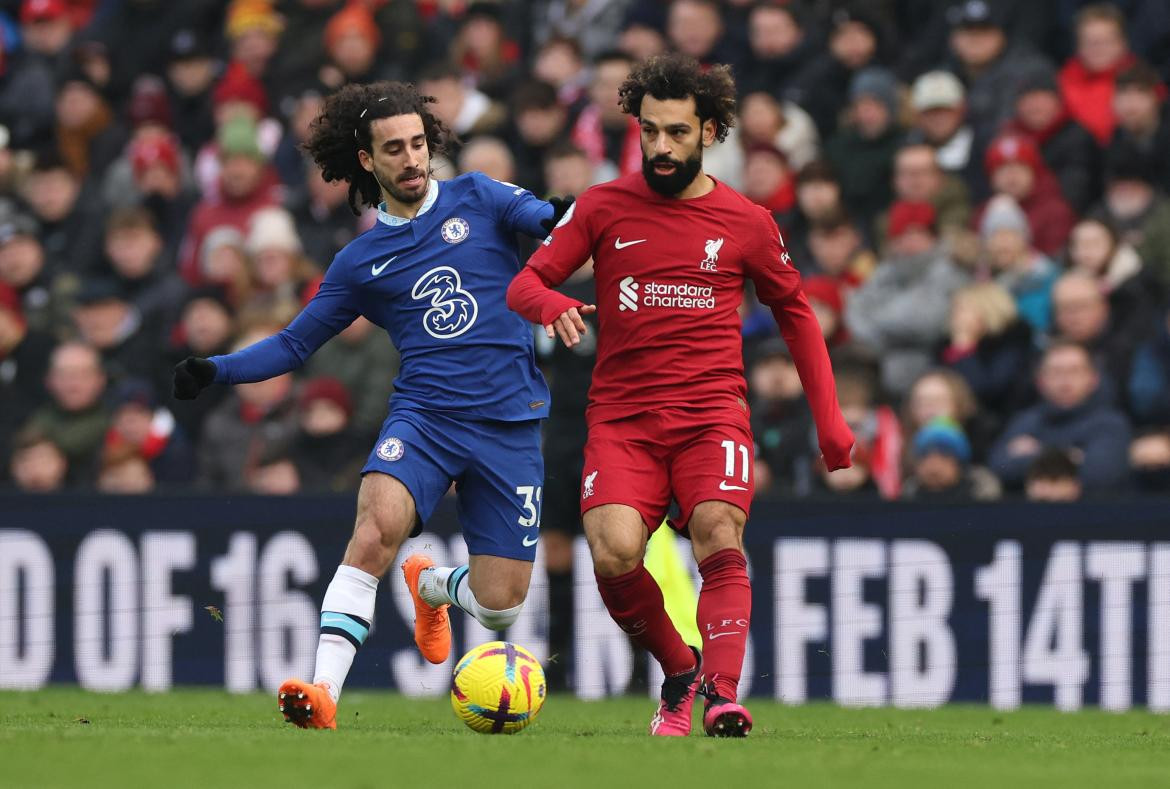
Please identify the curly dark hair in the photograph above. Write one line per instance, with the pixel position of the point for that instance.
(677, 77)
(343, 128)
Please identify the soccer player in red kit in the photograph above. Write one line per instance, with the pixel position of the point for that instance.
(668, 411)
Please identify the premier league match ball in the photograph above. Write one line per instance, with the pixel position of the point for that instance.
(498, 688)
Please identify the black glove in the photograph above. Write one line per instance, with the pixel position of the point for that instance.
(193, 375)
(561, 206)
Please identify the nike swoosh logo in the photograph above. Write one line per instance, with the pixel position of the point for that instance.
(617, 244)
(724, 486)
(713, 636)
(528, 544)
(376, 270)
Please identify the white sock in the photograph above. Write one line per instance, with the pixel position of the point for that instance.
(434, 584)
(347, 613)
(450, 586)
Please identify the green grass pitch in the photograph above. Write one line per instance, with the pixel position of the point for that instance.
(201, 738)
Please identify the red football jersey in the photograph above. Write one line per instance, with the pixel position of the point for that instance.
(669, 279)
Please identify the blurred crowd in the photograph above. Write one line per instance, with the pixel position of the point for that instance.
(975, 193)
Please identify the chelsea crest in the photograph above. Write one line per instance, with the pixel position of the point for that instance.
(391, 449)
(455, 230)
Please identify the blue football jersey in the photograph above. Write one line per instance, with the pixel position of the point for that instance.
(437, 284)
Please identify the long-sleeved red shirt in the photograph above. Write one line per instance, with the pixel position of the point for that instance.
(670, 277)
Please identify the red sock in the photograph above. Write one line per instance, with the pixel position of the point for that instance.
(725, 611)
(635, 603)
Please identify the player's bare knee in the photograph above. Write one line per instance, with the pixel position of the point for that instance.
(613, 558)
(716, 529)
(502, 596)
(374, 544)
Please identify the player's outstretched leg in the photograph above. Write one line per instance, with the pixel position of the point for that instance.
(432, 626)
(440, 587)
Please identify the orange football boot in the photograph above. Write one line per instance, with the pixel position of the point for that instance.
(432, 627)
(307, 706)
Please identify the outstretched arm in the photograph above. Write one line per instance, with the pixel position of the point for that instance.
(531, 293)
(778, 286)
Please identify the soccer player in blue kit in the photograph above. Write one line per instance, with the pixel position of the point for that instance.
(468, 400)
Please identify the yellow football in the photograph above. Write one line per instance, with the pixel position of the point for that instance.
(497, 688)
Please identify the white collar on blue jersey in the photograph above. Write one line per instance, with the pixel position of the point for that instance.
(394, 221)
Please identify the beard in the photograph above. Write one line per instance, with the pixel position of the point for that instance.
(394, 187)
(670, 184)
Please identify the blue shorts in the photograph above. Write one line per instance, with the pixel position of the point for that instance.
(497, 468)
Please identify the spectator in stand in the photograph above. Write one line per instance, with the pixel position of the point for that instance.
(246, 185)
(326, 451)
(768, 181)
(38, 464)
(252, 421)
(839, 252)
(273, 473)
(280, 270)
(352, 40)
(366, 362)
(145, 429)
(88, 134)
(901, 311)
(27, 75)
(877, 455)
(1149, 377)
(919, 179)
(1025, 272)
(827, 299)
(989, 64)
(135, 254)
(763, 121)
(610, 137)
(483, 53)
(862, 151)
(24, 272)
(780, 44)
(224, 263)
(75, 418)
(540, 121)
(288, 159)
(941, 469)
(1149, 461)
(857, 40)
(989, 346)
(781, 421)
(465, 111)
(70, 228)
(937, 99)
(322, 216)
(1053, 477)
(1095, 249)
(204, 329)
(560, 63)
(567, 170)
(161, 184)
(940, 393)
(695, 28)
(490, 156)
(1140, 213)
(818, 197)
(124, 472)
(1073, 415)
(191, 73)
(1069, 151)
(253, 29)
(24, 356)
(108, 321)
(1088, 78)
(1015, 169)
(1143, 119)
(238, 95)
(1082, 314)
(642, 31)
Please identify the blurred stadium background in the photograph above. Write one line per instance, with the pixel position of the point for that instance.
(975, 193)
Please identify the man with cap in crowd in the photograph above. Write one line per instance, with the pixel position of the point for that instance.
(902, 310)
(779, 45)
(27, 84)
(108, 322)
(862, 151)
(1068, 149)
(1015, 168)
(938, 100)
(24, 271)
(191, 72)
(1006, 248)
(327, 451)
(352, 41)
(1134, 206)
(988, 63)
(941, 466)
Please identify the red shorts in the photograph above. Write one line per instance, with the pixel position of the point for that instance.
(692, 455)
